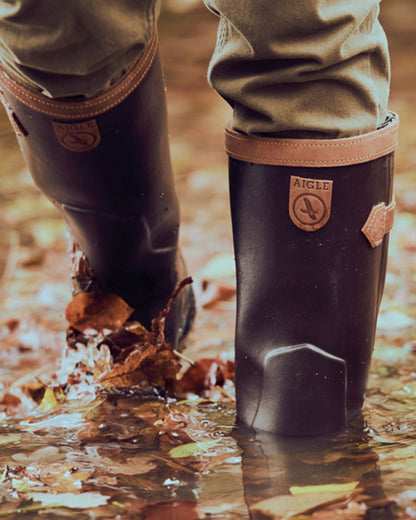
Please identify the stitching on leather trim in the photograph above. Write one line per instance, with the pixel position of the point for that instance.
(379, 152)
(380, 207)
(127, 84)
(329, 144)
(379, 222)
(90, 103)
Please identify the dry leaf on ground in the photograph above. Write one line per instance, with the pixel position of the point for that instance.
(142, 359)
(287, 506)
(148, 365)
(71, 500)
(97, 311)
(206, 374)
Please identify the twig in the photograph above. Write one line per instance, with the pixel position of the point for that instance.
(225, 393)
(184, 358)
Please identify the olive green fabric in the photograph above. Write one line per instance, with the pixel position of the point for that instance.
(294, 68)
(73, 47)
(301, 68)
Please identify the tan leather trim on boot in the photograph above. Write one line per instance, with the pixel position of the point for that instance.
(86, 108)
(379, 223)
(313, 152)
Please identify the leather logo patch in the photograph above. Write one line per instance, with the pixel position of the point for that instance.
(310, 202)
(78, 137)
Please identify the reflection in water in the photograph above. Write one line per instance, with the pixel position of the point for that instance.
(276, 467)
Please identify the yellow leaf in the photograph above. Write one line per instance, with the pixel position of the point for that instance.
(3, 476)
(287, 506)
(324, 488)
(71, 500)
(8, 439)
(192, 449)
(21, 485)
(49, 401)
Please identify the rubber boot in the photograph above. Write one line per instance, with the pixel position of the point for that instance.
(310, 224)
(104, 162)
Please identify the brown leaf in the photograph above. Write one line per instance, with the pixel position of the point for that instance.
(136, 465)
(288, 506)
(97, 311)
(35, 390)
(162, 511)
(173, 431)
(10, 400)
(141, 358)
(206, 374)
(147, 365)
(62, 477)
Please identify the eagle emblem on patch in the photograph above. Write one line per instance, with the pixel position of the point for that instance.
(310, 202)
(78, 137)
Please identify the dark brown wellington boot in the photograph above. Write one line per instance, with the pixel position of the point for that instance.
(104, 162)
(310, 219)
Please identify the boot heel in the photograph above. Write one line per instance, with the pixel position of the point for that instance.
(303, 389)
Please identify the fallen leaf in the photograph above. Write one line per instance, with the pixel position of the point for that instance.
(139, 358)
(173, 430)
(8, 439)
(180, 510)
(10, 400)
(97, 311)
(49, 401)
(47, 454)
(206, 374)
(71, 500)
(193, 449)
(324, 488)
(137, 465)
(287, 506)
(23, 485)
(148, 365)
(53, 478)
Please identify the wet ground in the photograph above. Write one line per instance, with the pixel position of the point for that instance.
(128, 458)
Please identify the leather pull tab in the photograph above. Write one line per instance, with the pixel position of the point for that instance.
(379, 222)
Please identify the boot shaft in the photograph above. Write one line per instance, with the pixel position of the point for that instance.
(105, 164)
(311, 258)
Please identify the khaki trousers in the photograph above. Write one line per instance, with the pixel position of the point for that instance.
(293, 68)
